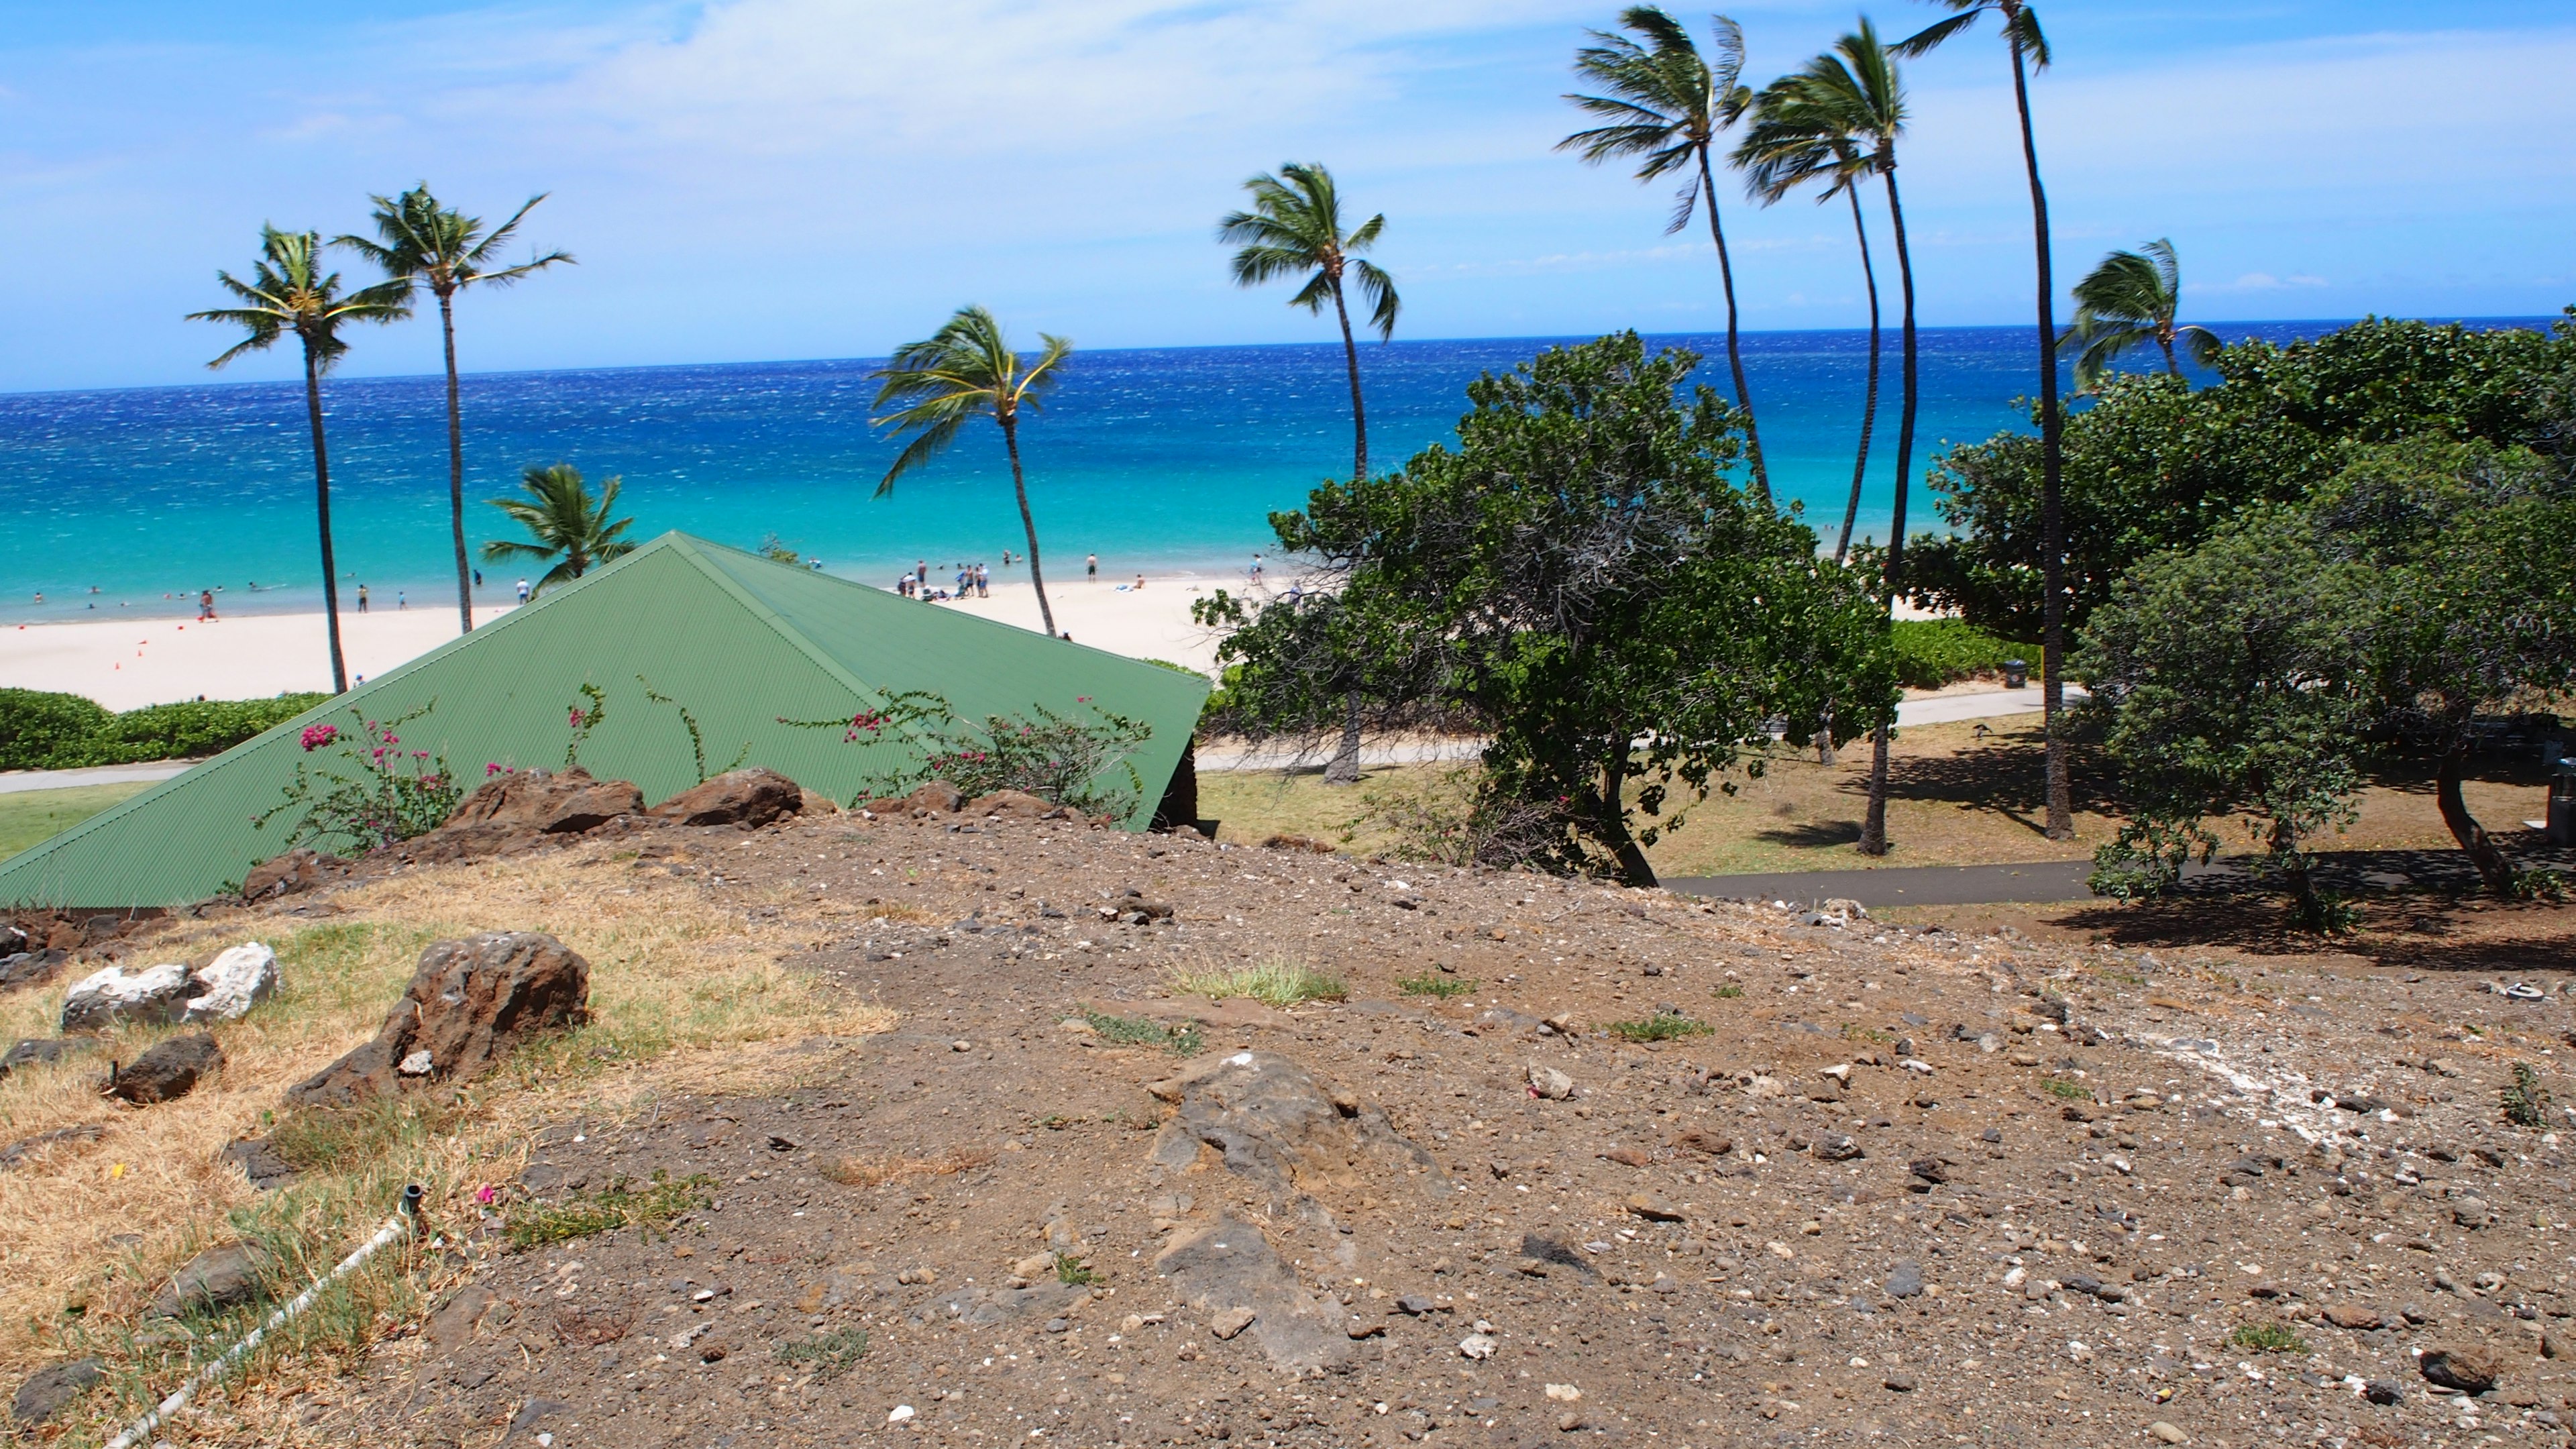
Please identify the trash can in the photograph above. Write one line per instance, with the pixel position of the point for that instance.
(2016, 674)
(2562, 804)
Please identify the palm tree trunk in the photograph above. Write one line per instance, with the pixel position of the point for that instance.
(1020, 489)
(2172, 368)
(1873, 830)
(322, 514)
(1869, 407)
(1734, 353)
(2052, 505)
(456, 468)
(1359, 411)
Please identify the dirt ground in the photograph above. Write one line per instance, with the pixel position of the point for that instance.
(1911, 1182)
(1956, 797)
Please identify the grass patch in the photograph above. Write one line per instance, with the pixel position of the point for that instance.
(2268, 1338)
(1276, 982)
(1854, 1031)
(829, 1354)
(2071, 1091)
(1728, 992)
(1434, 984)
(1069, 1271)
(1182, 1039)
(32, 817)
(652, 1207)
(1662, 1026)
(2525, 1100)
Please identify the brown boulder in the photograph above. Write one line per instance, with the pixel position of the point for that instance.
(938, 796)
(2353, 1317)
(167, 1072)
(470, 1004)
(292, 873)
(1018, 804)
(2469, 1368)
(750, 798)
(523, 807)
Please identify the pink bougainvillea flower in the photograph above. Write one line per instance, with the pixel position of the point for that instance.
(316, 736)
(486, 1194)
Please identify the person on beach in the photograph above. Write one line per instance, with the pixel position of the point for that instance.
(478, 578)
(399, 601)
(1140, 583)
(921, 569)
(523, 591)
(362, 598)
(984, 581)
(205, 605)
(1091, 566)
(1256, 568)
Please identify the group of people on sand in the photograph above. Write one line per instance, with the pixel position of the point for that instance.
(974, 581)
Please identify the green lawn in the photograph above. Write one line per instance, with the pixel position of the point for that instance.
(33, 816)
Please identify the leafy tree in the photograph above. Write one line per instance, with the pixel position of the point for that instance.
(1666, 103)
(1580, 578)
(1295, 226)
(2466, 545)
(1792, 144)
(1855, 91)
(2129, 301)
(419, 242)
(2152, 465)
(2028, 45)
(2235, 679)
(289, 291)
(964, 371)
(563, 522)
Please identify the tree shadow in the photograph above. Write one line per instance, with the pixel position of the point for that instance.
(2007, 775)
(1816, 835)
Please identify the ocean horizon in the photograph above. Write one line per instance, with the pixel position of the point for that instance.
(1160, 460)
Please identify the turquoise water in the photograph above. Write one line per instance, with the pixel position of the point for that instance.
(1157, 460)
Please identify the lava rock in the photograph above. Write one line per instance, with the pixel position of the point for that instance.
(471, 1003)
(750, 798)
(260, 1161)
(218, 1278)
(1837, 1147)
(39, 1051)
(1276, 1125)
(1905, 1280)
(168, 1071)
(48, 1391)
(30, 968)
(293, 873)
(2469, 1368)
(1012, 804)
(1229, 1270)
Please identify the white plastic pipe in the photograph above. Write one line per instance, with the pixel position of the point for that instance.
(396, 1226)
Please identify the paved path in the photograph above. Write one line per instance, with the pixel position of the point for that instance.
(2042, 882)
(1933, 709)
(15, 781)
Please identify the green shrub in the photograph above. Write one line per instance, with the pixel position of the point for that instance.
(2526, 1101)
(2268, 1338)
(1275, 982)
(1428, 984)
(653, 1208)
(1934, 652)
(828, 1353)
(41, 731)
(1662, 1026)
(35, 725)
(1182, 1040)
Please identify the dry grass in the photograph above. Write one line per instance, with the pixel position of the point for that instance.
(876, 1171)
(686, 995)
(1275, 982)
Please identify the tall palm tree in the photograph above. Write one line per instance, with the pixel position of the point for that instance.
(2029, 47)
(563, 521)
(289, 291)
(1789, 152)
(1854, 91)
(1295, 227)
(419, 242)
(964, 371)
(1666, 103)
(2130, 301)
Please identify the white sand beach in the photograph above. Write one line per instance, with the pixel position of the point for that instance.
(129, 663)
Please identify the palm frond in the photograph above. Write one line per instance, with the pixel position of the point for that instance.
(928, 443)
(2024, 32)
(2199, 344)
(1729, 64)
(1379, 290)
(1319, 289)
(1923, 42)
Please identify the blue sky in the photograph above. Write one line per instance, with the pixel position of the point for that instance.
(766, 179)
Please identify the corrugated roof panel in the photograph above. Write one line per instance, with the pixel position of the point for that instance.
(739, 640)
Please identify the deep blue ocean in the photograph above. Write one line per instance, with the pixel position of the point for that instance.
(1160, 460)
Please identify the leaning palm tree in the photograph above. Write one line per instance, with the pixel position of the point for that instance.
(1778, 158)
(2130, 301)
(289, 291)
(964, 371)
(1295, 227)
(564, 523)
(419, 242)
(2029, 47)
(1854, 91)
(1667, 104)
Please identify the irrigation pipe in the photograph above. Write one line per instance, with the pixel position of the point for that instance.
(399, 1225)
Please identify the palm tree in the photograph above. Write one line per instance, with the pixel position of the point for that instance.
(2029, 47)
(1854, 91)
(964, 371)
(288, 290)
(419, 242)
(564, 521)
(2129, 301)
(1666, 103)
(1294, 227)
(1778, 158)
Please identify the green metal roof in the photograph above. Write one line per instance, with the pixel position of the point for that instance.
(740, 640)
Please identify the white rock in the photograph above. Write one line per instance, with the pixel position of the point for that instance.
(1476, 1345)
(109, 995)
(899, 1413)
(1550, 1083)
(233, 983)
(1564, 1393)
(415, 1065)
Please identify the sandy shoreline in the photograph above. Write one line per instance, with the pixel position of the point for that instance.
(129, 663)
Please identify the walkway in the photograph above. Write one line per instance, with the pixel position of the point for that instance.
(14, 782)
(2348, 872)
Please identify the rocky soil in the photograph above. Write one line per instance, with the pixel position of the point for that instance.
(1910, 1184)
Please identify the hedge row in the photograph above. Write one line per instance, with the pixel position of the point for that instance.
(42, 731)
(1934, 652)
